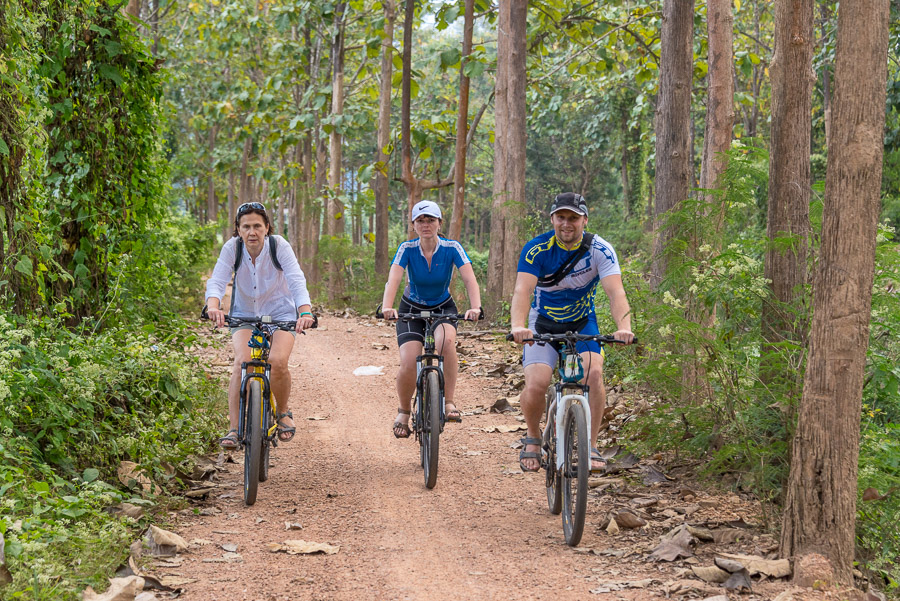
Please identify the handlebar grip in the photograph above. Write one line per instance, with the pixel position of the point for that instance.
(204, 313)
(510, 337)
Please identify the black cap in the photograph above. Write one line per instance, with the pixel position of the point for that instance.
(571, 201)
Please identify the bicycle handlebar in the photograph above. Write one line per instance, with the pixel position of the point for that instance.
(434, 316)
(265, 320)
(572, 337)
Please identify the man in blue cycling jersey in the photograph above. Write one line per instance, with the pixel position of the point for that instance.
(557, 279)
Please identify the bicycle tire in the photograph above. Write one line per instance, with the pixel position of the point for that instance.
(431, 430)
(551, 474)
(252, 441)
(266, 443)
(575, 474)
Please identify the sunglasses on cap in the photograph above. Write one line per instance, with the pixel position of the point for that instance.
(249, 206)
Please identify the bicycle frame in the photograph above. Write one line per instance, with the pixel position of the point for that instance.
(562, 402)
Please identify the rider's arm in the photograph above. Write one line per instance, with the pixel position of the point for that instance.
(618, 305)
(521, 303)
(468, 277)
(218, 282)
(395, 276)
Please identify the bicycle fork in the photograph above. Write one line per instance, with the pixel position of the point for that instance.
(562, 404)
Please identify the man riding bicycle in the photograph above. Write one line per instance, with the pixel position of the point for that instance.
(267, 281)
(561, 269)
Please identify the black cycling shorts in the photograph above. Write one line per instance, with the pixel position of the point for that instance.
(414, 330)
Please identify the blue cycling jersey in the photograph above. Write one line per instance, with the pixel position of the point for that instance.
(573, 297)
(429, 284)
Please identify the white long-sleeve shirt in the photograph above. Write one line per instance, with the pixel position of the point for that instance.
(260, 289)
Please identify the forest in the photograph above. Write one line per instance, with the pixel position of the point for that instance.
(743, 157)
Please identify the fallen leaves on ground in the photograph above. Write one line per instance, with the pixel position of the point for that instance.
(130, 474)
(120, 589)
(298, 547)
(505, 429)
(673, 545)
(776, 568)
(163, 543)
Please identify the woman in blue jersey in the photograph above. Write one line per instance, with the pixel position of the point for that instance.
(428, 261)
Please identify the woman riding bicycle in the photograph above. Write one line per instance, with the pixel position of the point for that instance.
(428, 261)
(267, 281)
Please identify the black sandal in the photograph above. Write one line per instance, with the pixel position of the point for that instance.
(523, 454)
(449, 414)
(291, 430)
(596, 456)
(401, 429)
(230, 440)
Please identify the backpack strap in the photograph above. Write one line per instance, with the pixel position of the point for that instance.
(566, 268)
(273, 251)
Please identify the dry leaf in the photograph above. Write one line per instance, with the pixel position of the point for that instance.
(230, 547)
(729, 565)
(776, 568)
(501, 406)
(673, 545)
(729, 535)
(163, 543)
(739, 581)
(872, 494)
(317, 418)
(127, 509)
(293, 526)
(201, 541)
(612, 528)
(129, 473)
(710, 573)
(120, 589)
(504, 428)
(701, 533)
(629, 521)
(379, 346)
(297, 547)
(175, 581)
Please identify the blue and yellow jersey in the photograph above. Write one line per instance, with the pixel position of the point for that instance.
(573, 297)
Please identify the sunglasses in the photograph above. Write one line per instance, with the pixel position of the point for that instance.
(249, 206)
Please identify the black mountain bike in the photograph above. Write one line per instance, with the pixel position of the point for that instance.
(428, 408)
(565, 443)
(257, 428)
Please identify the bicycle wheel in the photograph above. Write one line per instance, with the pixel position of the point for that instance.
(551, 474)
(266, 443)
(252, 441)
(431, 430)
(575, 472)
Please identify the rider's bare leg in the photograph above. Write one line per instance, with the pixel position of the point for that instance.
(593, 365)
(406, 377)
(445, 345)
(534, 401)
(280, 380)
(241, 354)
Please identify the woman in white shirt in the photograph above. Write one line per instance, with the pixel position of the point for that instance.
(262, 286)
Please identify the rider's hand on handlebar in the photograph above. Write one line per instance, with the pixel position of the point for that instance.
(217, 316)
(626, 336)
(304, 323)
(389, 313)
(473, 314)
(521, 334)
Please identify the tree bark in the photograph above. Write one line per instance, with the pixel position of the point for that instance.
(509, 151)
(789, 188)
(212, 204)
(462, 127)
(820, 508)
(673, 125)
(382, 188)
(336, 219)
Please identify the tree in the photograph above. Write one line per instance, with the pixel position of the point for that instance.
(507, 208)
(788, 225)
(462, 127)
(382, 189)
(673, 125)
(820, 507)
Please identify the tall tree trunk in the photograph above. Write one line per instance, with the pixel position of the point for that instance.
(382, 188)
(820, 508)
(673, 125)
(232, 206)
(462, 127)
(716, 142)
(789, 187)
(336, 219)
(212, 204)
(246, 184)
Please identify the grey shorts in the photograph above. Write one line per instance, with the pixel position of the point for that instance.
(249, 327)
(545, 353)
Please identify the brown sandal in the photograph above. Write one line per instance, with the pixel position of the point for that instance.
(401, 429)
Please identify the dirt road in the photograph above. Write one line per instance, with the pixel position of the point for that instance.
(484, 532)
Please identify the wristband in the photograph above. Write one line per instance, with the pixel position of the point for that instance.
(306, 313)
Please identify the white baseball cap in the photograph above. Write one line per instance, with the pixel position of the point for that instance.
(426, 207)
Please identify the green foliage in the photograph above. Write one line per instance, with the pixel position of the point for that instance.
(72, 406)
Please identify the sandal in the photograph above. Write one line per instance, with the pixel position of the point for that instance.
(230, 440)
(523, 454)
(401, 429)
(597, 457)
(289, 430)
(453, 415)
